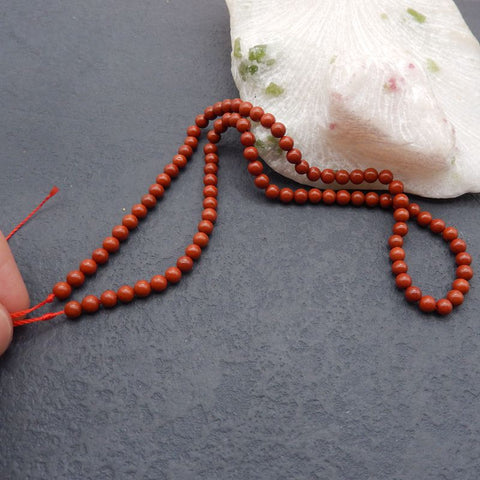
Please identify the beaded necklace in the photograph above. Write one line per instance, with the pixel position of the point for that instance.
(239, 114)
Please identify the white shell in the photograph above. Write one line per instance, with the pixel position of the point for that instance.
(365, 83)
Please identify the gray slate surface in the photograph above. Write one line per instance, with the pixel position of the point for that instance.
(287, 353)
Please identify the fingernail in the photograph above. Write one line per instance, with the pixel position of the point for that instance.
(6, 329)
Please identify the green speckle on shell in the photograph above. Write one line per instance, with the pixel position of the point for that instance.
(270, 62)
(417, 16)
(384, 16)
(245, 69)
(237, 49)
(333, 59)
(432, 66)
(257, 53)
(274, 90)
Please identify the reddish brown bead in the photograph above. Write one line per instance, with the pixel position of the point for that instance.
(458, 245)
(111, 244)
(370, 175)
(437, 225)
(372, 199)
(250, 153)
(120, 232)
(427, 304)
(185, 150)
(185, 263)
(156, 190)
(463, 271)
(211, 158)
(262, 181)
(234, 118)
(328, 176)
(358, 198)
(414, 209)
(314, 174)
(205, 226)
(125, 293)
(62, 290)
(75, 278)
(226, 105)
(463, 258)
(194, 131)
(219, 127)
(73, 309)
(449, 234)
(213, 137)
(424, 219)
(286, 143)
(255, 168)
(142, 289)
(385, 177)
(210, 168)
(209, 214)
(209, 113)
(401, 215)
(342, 177)
(286, 195)
(278, 129)
(245, 108)
(315, 195)
(217, 108)
(302, 167)
(139, 210)
(210, 202)
(343, 197)
(158, 283)
(386, 200)
(444, 306)
(456, 297)
(272, 192)
(256, 113)
(243, 125)
(210, 148)
(173, 274)
(164, 180)
(329, 197)
(247, 139)
(130, 221)
(398, 267)
(100, 256)
(395, 187)
(403, 280)
(149, 200)
(267, 120)
(236, 104)
(201, 121)
(108, 298)
(210, 178)
(461, 284)
(88, 266)
(300, 196)
(179, 160)
(210, 191)
(397, 253)
(413, 294)
(90, 304)
(201, 239)
(171, 170)
(356, 177)
(294, 156)
(400, 228)
(395, 241)
(400, 201)
(193, 251)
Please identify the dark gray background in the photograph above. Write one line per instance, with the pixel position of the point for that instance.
(286, 354)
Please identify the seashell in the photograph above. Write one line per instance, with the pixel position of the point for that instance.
(359, 83)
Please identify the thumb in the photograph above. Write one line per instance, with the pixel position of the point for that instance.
(6, 329)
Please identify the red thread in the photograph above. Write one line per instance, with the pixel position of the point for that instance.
(52, 193)
(47, 316)
(22, 313)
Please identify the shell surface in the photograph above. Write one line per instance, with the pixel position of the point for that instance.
(365, 83)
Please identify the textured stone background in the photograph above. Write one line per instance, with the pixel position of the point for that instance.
(287, 353)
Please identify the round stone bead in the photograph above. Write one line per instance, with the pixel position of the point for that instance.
(173, 274)
(111, 244)
(403, 280)
(88, 266)
(75, 278)
(120, 232)
(130, 221)
(100, 256)
(397, 253)
(149, 200)
(427, 304)
(142, 288)
(413, 294)
(314, 195)
(329, 197)
(272, 192)
(108, 298)
(125, 294)
(90, 304)
(201, 239)
(158, 283)
(73, 309)
(444, 306)
(399, 266)
(463, 258)
(456, 297)
(400, 201)
(286, 195)
(464, 271)
(193, 251)
(458, 245)
(62, 290)
(185, 263)
(139, 210)
(461, 284)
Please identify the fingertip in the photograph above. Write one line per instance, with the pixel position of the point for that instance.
(6, 329)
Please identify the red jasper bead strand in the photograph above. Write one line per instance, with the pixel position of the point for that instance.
(235, 113)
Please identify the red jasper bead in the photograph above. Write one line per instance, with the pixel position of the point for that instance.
(73, 309)
(463, 258)
(171, 170)
(90, 304)
(397, 253)
(302, 168)
(385, 177)
(342, 177)
(403, 280)
(463, 271)
(413, 294)
(458, 245)
(314, 174)
(286, 195)
(75, 278)
(100, 256)
(357, 198)
(185, 263)
(328, 176)
(108, 298)
(164, 180)
(278, 129)
(267, 120)
(424, 219)
(449, 234)
(111, 244)
(142, 288)
(399, 266)
(395, 241)
(62, 290)
(272, 192)
(125, 293)
(139, 210)
(158, 283)
(427, 304)
(130, 221)
(370, 175)
(343, 197)
(437, 225)
(156, 190)
(456, 297)
(329, 197)
(314, 195)
(205, 226)
(356, 177)
(300, 196)
(193, 251)
(444, 306)
(173, 274)
(461, 284)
